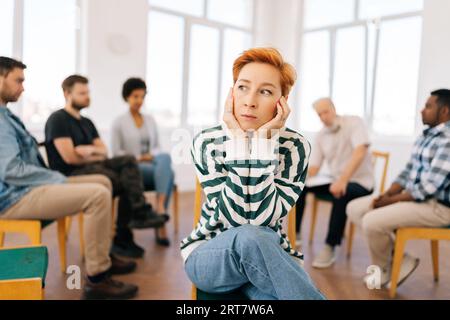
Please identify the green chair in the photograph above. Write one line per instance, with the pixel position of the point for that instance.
(33, 229)
(22, 273)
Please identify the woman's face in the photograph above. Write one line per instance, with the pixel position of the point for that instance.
(256, 93)
(136, 99)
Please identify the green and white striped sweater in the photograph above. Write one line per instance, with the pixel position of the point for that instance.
(247, 181)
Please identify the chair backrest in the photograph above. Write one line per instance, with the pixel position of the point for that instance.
(385, 157)
(198, 210)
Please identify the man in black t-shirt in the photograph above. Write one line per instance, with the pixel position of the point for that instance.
(74, 148)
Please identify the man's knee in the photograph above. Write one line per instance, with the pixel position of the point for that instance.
(100, 194)
(125, 160)
(356, 209)
(106, 182)
(371, 222)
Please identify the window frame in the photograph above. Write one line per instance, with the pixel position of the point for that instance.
(18, 45)
(369, 93)
(189, 22)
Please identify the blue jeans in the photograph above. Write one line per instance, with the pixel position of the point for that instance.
(158, 176)
(251, 259)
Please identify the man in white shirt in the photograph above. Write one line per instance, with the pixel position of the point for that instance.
(343, 143)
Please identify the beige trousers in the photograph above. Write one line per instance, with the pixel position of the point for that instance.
(91, 194)
(380, 224)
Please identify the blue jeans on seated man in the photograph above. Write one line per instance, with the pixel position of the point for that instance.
(158, 175)
(251, 259)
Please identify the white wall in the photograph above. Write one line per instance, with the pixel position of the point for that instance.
(435, 66)
(115, 49)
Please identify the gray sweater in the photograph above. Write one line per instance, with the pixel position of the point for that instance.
(125, 137)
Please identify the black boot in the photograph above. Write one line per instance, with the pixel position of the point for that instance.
(145, 218)
(124, 245)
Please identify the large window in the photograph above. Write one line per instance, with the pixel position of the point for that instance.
(6, 27)
(365, 55)
(189, 66)
(49, 50)
(47, 45)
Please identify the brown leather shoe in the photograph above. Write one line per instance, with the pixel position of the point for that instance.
(119, 266)
(109, 289)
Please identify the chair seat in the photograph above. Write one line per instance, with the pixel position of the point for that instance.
(24, 263)
(235, 295)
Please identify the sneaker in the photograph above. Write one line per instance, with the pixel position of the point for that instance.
(370, 280)
(119, 266)
(109, 289)
(409, 264)
(325, 258)
(127, 249)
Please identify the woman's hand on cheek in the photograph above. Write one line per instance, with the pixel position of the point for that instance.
(278, 122)
(229, 118)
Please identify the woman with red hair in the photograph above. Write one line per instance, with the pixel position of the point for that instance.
(252, 170)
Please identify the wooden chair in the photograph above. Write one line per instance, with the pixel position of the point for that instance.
(318, 198)
(236, 295)
(33, 229)
(23, 272)
(375, 156)
(405, 234)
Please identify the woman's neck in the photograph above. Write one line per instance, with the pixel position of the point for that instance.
(137, 117)
(135, 113)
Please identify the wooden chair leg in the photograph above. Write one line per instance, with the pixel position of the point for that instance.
(62, 243)
(397, 262)
(113, 217)
(68, 226)
(291, 227)
(81, 229)
(194, 293)
(176, 209)
(435, 258)
(351, 231)
(313, 219)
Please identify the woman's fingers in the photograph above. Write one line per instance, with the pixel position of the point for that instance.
(286, 108)
(229, 102)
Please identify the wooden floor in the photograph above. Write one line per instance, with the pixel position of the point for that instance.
(160, 273)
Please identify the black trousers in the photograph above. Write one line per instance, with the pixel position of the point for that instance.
(127, 184)
(338, 218)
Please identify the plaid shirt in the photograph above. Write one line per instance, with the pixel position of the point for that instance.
(427, 174)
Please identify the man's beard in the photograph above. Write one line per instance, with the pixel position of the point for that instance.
(7, 98)
(79, 106)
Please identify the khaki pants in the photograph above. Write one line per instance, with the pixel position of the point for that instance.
(91, 194)
(380, 224)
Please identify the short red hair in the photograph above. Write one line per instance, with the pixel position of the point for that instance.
(270, 56)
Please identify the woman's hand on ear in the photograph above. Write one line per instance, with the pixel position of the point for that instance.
(278, 122)
(229, 118)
